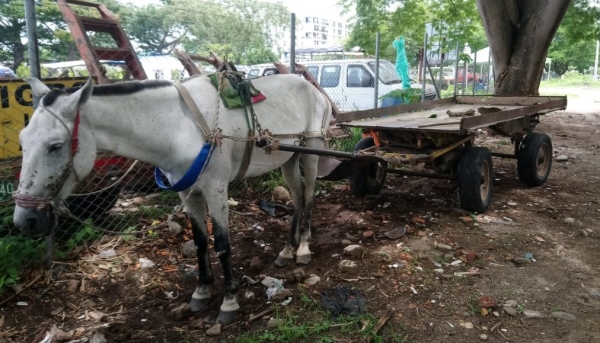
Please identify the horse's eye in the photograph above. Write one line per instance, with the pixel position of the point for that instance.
(55, 147)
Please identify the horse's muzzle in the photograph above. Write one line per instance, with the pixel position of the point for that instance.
(35, 222)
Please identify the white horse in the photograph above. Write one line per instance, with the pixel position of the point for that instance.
(149, 121)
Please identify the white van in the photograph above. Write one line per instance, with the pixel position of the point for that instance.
(351, 83)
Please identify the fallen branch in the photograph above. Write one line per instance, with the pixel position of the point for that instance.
(262, 314)
(37, 278)
(380, 323)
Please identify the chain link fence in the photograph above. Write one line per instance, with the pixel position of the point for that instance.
(135, 202)
(121, 196)
(117, 195)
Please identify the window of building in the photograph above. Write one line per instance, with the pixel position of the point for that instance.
(330, 76)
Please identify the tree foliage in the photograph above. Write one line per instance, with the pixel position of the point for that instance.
(244, 31)
(456, 22)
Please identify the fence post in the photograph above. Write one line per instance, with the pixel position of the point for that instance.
(456, 69)
(377, 42)
(34, 68)
(293, 43)
(475, 72)
(424, 68)
(32, 43)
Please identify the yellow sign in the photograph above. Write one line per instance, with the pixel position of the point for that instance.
(16, 108)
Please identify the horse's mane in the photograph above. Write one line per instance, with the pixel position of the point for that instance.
(120, 88)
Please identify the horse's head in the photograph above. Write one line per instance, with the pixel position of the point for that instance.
(56, 154)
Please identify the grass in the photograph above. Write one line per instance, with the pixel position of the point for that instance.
(307, 322)
(18, 252)
(571, 79)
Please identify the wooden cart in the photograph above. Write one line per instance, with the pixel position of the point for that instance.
(441, 134)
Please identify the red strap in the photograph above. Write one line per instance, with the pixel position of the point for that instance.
(75, 141)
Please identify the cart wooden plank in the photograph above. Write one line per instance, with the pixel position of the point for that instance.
(433, 116)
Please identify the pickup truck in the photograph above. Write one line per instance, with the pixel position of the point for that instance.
(16, 108)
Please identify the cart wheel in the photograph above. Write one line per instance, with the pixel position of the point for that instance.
(370, 179)
(474, 178)
(534, 159)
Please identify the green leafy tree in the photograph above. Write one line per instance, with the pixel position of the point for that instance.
(455, 21)
(519, 33)
(238, 30)
(567, 52)
(155, 28)
(13, 27)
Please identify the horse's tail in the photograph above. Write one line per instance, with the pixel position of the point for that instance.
(327, 118)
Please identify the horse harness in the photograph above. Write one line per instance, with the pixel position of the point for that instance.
(265, 138)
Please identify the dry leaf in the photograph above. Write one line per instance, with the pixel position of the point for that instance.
(539, 239)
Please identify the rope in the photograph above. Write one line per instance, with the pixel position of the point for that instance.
(110, 186)
(28, 201)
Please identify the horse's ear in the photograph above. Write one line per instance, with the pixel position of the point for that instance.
(38, 88)
(74, 101)
(87, 92)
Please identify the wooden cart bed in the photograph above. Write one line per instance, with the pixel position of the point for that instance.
(433, 116)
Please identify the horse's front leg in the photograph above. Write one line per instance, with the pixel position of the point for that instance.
(195, 205)
(216, 196)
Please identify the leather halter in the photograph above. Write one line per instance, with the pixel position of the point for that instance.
(40, 203)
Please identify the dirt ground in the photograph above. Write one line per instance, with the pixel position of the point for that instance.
(415, 275)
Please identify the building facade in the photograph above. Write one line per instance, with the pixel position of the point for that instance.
(319, 31)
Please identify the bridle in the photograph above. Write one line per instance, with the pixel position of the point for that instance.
(40, 203)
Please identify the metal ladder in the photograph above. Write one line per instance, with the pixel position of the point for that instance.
(108, 23)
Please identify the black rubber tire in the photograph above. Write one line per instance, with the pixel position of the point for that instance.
(475, 179)
(534, 160)
(370, 179)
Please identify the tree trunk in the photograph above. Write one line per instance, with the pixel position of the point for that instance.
(18, 55)
(519, 34)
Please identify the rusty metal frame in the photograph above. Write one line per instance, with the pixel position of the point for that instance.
(109, 23)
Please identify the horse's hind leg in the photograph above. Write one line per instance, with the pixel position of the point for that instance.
(291, 174)
(309, 163)
(195, 205)
(216, 196)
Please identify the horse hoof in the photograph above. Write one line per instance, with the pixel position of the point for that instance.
(199, 304)
(281, 261)
(226, 318)
(303, 259)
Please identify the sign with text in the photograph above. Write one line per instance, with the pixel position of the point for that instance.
(16, 108)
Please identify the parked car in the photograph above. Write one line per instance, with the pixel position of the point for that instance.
(351, 83)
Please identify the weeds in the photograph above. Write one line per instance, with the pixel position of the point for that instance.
(15, 253)
(347, 144)
(311, 324)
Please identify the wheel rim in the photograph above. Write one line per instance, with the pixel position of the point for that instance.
(542, 160)
(485, 181)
